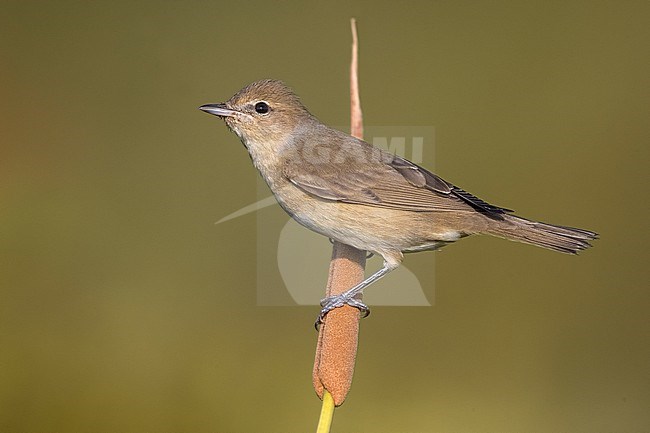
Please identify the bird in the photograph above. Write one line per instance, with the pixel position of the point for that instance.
(358, 194)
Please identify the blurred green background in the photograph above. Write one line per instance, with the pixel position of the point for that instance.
(123, 308)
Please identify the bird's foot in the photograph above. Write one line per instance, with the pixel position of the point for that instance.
(332, 302)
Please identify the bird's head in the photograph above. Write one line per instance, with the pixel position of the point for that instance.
(264, 111)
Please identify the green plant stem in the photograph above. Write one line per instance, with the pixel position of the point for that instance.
(326, 413)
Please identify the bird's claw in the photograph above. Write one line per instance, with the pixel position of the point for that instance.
(332, 302)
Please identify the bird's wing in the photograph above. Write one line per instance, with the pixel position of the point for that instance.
(373, 177)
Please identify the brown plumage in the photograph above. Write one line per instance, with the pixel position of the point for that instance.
(358, 194)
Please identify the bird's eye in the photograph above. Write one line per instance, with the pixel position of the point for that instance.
(262, 107)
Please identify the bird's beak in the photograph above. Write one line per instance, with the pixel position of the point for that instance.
(218, 110)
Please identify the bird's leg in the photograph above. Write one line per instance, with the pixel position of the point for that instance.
(349, 297)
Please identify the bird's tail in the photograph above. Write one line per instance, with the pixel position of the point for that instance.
(558, 238)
